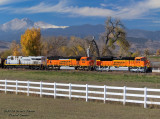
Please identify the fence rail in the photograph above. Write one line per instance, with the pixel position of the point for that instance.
(156, 70)
(105, 93)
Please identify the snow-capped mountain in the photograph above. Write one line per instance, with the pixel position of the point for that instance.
(17, 24)
(47, 26)
(22, 24)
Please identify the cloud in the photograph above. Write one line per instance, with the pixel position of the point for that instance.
(5, 2)
(62, 7)
(153, 4)
(156, 22)
(44, 8)
(136, 10)
(103, 5)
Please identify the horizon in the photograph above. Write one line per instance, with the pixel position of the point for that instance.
(79, 24)
(134, 14)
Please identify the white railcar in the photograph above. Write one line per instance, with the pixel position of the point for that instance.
(32, 62)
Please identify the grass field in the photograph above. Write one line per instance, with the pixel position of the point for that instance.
(154, 58)
(99, 78)
(24, 107)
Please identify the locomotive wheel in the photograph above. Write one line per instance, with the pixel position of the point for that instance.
(89, 69)
(76, 68)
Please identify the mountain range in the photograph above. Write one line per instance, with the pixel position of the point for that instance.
(13, 30)
(23, 24)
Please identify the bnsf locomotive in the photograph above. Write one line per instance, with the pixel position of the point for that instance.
(134, 64)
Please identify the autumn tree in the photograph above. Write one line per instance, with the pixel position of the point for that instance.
(15, 49)
(54, 46)
(158, 52)
(114, 35)
(146, 52)
(136, 53)
(77, 47)
(103, 48)
(31, 43)
(6, 53)
(44, 48)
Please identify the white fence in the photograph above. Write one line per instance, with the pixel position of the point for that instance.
(105, 93)
(156, 70)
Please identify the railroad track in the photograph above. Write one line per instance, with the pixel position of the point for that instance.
(83, 71)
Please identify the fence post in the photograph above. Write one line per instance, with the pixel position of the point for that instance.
(5, 86)
(54, 90)
(145, 97)
(124, 95)
(28, 88)
(70, 90)
(16, 86)
(86, 92)
(41, 89)
(104, 93)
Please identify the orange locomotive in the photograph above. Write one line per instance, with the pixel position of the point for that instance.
(135, 64)
(55, 62)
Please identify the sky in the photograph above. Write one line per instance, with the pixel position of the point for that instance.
(134, 14)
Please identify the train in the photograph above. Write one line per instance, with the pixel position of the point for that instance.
(107, 63)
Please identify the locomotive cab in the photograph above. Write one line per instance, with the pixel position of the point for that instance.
(141, 64)
(86, 63)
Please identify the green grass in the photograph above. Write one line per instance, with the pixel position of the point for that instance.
(49, 108)
(154, 58)
(102, 78)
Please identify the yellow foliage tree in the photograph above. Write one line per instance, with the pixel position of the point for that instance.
(15, 49)
(31, 43)
(77, 47)
(158, 52)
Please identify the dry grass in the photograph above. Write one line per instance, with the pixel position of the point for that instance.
(48, 108)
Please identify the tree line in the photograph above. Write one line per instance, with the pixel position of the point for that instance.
(111, 43)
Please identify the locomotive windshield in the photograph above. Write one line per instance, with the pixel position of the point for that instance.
(143, 59)
(88, 58)
(138, 59)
